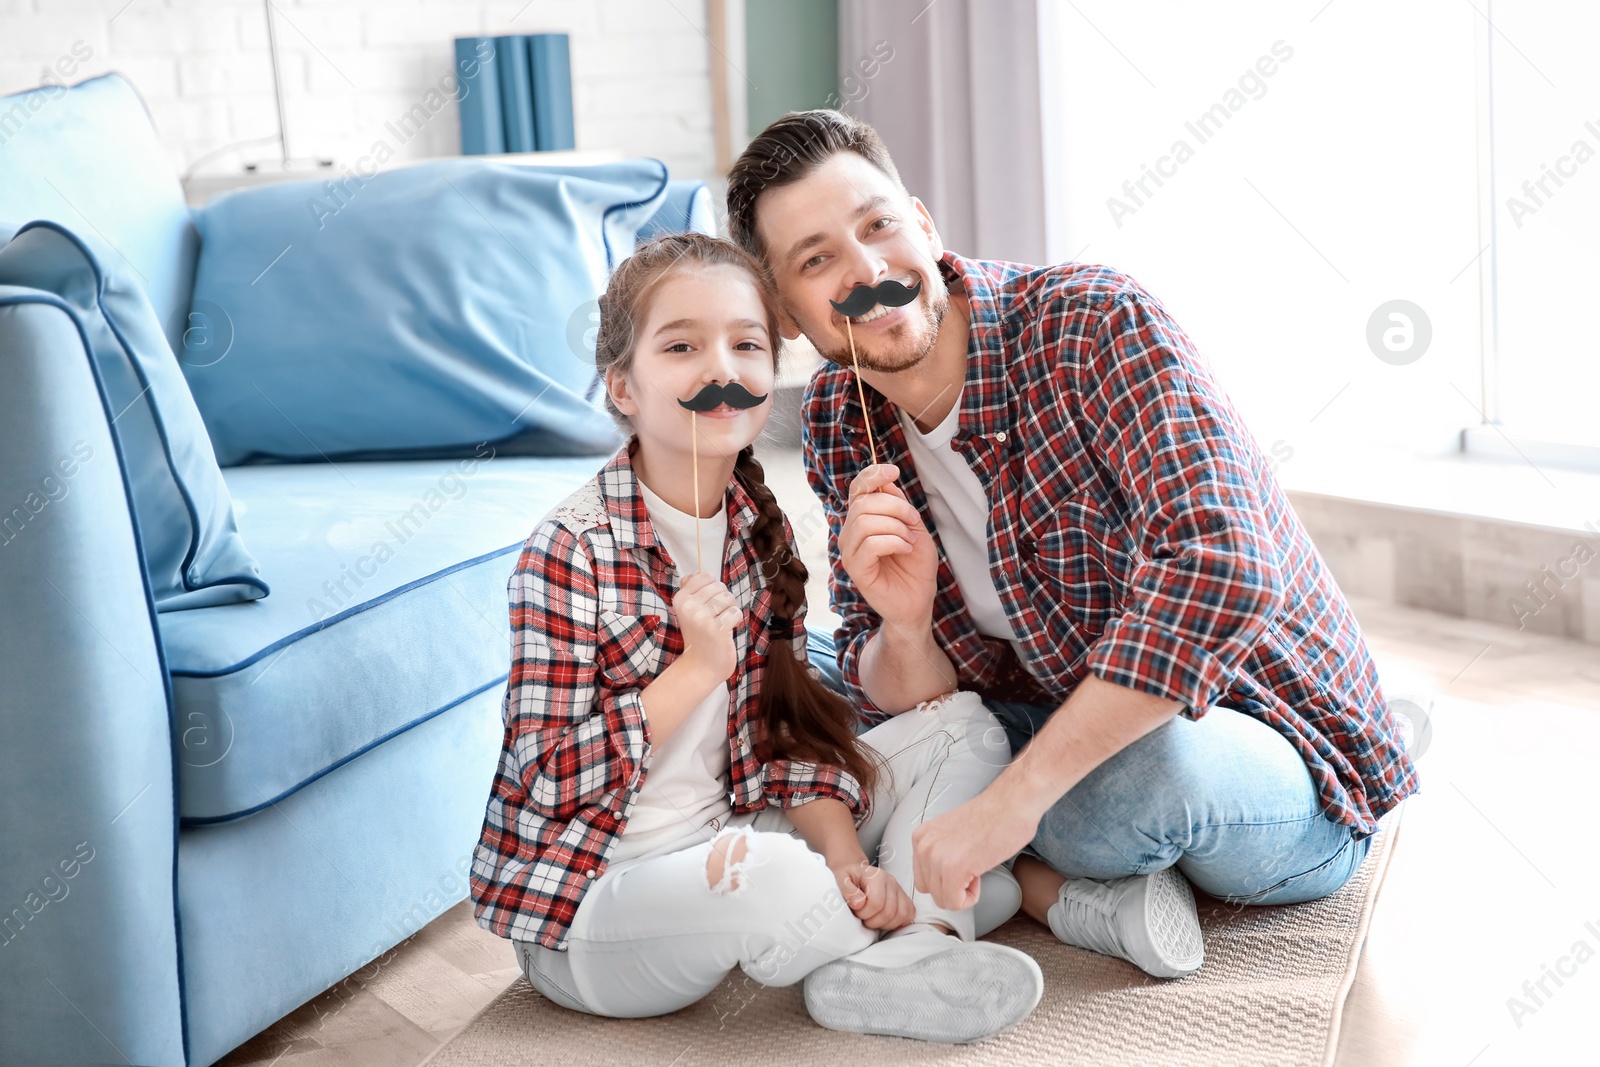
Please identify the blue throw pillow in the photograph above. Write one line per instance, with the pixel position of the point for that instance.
(417, 312)
(182, 507)
(687, 206)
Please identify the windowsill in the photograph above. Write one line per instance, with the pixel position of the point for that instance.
(1456, 486)
(1507, 443)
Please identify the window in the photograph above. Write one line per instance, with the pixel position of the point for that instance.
(1545, 92)
(1309, 193)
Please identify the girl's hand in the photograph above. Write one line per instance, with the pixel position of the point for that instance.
(707, 614)
(874, 896)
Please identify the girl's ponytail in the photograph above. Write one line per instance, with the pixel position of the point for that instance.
(804, 720)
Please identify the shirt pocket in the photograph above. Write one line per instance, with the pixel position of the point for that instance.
(1081, 557)
(629, 648)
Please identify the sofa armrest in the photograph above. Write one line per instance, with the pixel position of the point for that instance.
(89, 942)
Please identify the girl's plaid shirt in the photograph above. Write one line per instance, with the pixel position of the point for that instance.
(1136, 529)
(591, 625)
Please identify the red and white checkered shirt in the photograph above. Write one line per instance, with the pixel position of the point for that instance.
(591, 626)
(1136, 529)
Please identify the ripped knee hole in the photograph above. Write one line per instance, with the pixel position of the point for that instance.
(729, 859)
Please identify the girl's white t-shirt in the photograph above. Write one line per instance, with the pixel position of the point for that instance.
(686, 776)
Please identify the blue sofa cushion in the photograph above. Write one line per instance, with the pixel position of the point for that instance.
(388, 608)
(187, 534)
(687, 206)
(88, 157)
(413, 313)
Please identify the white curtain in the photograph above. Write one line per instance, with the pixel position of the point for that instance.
(958, 104)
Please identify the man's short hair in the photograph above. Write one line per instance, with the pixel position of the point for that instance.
(787, 151)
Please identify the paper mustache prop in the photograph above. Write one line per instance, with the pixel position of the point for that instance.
(862, 299)
(714, 396)
(709, 398)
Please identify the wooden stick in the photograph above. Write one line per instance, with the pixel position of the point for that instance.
(861, 391)
(694, 446)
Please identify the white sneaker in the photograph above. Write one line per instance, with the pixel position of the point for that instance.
(926, 985)
(1147, 919)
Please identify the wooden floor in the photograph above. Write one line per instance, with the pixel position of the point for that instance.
(1491, 884)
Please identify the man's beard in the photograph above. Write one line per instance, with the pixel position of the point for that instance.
(894, 351)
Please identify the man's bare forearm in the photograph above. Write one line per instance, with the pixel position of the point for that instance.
(900, 668)
(1097, 721)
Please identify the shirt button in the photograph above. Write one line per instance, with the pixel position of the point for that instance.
(1000, 435)
(589, 873)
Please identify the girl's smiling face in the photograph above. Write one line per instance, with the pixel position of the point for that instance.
(704, 324)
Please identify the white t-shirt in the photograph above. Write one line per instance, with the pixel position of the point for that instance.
(686, 775)
(960, 512)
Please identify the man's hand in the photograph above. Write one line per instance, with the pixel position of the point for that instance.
(950, 852)
(874, 895)
(887, 550)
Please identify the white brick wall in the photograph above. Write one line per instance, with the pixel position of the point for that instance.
(640, 78)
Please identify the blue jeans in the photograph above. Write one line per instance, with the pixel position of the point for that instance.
(1224, 797)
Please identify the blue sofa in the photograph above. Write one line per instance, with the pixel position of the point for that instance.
(212, 815)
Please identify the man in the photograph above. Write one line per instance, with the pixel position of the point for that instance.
(1068, 516)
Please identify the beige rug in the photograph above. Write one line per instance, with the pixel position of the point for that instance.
(1270, 993)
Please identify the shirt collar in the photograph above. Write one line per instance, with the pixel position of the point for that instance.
(630, 518)
(987, 396)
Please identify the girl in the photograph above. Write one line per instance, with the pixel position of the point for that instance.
(678, 794)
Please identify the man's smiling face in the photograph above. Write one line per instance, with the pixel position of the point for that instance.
(847, 224)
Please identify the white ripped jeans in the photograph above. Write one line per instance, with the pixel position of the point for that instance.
(654, 936)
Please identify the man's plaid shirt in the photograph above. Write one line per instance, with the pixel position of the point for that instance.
(591, 626)
(1136, 530)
